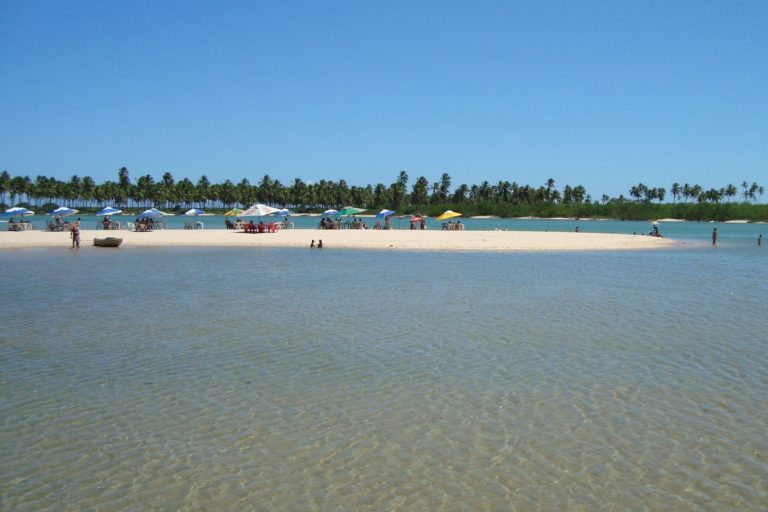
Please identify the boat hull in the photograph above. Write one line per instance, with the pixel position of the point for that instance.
(107, 242)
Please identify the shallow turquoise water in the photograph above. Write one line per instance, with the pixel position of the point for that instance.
(242, 379)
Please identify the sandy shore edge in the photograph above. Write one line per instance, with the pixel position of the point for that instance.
(351, 239)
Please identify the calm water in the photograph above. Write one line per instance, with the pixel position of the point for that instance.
(245, 379)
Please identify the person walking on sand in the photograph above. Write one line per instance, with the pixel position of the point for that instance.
(75, 234)
(714, 236)
(312, 245)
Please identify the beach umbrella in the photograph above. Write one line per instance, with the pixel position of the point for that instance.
(383, 214)
(350, 210)
(194, 211)
(17, 210)
(63, 211)
(285, 212)
(152, 212)
(234, 212)
(448, 214)
(330, 212)
(259, 210)
(108, 211)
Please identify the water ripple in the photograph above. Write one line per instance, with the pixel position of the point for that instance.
(244, 379)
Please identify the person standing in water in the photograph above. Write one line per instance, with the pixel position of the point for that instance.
(760, 240)
(75, 235)
(714, 236)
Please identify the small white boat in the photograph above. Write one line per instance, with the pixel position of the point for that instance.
(107, 242)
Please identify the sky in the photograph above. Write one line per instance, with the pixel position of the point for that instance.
(602, 94)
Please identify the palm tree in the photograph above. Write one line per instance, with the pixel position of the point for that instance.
(753, 191)
(686, 192)
(420, 191)
(245, 193)
(5, 184)
(380, 196)
(504, 191)
(88, 190)
(185, 192)
(73, 189)
(696, 192)
(675, 191)
(19, 187)
(460, 194)
(445, 186)
(579, 193)
(402, 179)
(124, 182)
(550, 188)
(202, 191)
(398, 192)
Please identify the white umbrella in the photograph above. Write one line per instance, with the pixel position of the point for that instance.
(259, 210)
(17, 210)
(194, 211)
(384, 214)
(152, 212)
(64, 211)
(108, 211)
(330, 212)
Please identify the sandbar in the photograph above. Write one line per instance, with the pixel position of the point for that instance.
(396, 239)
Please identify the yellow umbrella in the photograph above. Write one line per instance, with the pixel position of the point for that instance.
(448, 214)
(234, 212)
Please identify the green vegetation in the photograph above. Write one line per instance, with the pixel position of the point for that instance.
(504, 199)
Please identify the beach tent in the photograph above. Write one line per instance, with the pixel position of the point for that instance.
(108, 211)
(63, 211)
(448, 214)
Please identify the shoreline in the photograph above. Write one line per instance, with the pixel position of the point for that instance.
(417, 240)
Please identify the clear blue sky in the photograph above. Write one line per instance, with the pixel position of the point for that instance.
(602, 94)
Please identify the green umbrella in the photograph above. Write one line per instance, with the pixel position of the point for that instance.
(350, 210)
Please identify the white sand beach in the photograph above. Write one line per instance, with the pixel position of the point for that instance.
(429, 240)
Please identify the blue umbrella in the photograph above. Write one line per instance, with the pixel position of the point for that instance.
(109, 211)
(17, 210)
(152, 212)
(64, 211)
(194, 211)
(285, 212)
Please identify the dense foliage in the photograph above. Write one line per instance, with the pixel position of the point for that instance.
(503, 199)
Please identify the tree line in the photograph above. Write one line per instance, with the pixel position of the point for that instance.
(504, 198)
